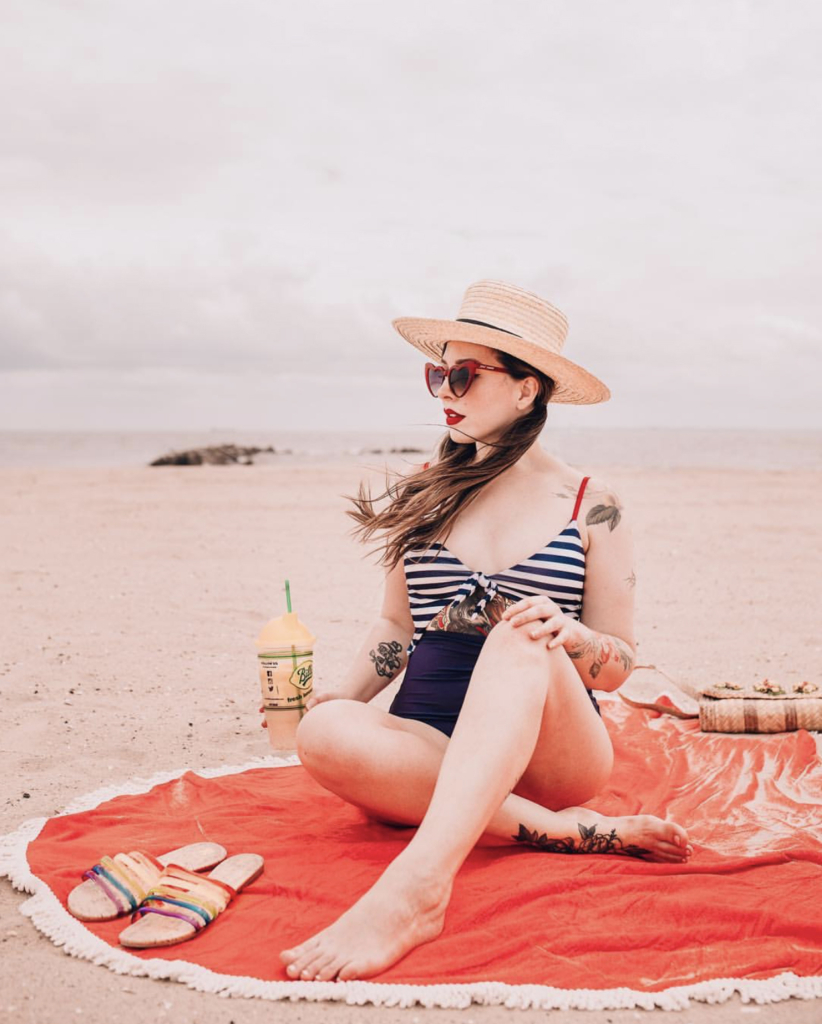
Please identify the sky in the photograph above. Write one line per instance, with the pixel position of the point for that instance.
(212, 211)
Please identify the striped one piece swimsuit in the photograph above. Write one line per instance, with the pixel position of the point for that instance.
(454, 608)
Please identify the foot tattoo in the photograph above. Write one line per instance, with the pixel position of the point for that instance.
(590, 841)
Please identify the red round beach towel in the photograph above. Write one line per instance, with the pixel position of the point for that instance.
(743, 908)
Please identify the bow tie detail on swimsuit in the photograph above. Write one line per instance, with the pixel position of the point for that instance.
(474, 580)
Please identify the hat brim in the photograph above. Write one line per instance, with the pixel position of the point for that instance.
(574, 385)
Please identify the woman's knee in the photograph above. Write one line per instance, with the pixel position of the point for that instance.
(518, 640)
(326, 730)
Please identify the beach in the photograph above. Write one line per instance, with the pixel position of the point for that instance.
(132, 595)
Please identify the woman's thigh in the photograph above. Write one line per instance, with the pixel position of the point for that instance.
(349, 728)
(382, 763)
(573, 757)
(356, 749)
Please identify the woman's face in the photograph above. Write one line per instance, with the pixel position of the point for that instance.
(493, 401)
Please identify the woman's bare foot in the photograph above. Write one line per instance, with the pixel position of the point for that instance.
(403, 909)
(633, 835)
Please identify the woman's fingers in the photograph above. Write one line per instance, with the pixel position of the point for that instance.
(513, 610)
(517, 606)
(542, 617)
(561, 638)
(552, 625)
(537, 611)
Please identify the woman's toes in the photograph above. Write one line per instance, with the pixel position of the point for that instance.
(295, 969)
(308, 971)
(330, 969)
(672, 858)
(678, 835)
(348, 972)
(672, 851)
(290, 955)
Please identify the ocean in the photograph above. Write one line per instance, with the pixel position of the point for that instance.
(645, 448)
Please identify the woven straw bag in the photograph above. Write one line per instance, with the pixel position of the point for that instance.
(731, 707)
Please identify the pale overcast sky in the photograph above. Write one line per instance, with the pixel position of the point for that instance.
(213, 210)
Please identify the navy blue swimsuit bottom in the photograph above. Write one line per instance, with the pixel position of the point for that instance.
(437, 677)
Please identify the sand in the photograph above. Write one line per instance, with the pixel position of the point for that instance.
(127, 589)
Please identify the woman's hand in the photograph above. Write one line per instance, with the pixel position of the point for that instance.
(315, 698)
(321, 698)
(541, 617)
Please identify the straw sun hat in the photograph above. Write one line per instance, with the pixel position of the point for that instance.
(509, 318)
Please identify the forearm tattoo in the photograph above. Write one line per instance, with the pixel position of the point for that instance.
(590, 841)
(601, 648)
(386, 658)
(631, 580)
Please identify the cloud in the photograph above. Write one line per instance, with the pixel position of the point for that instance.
(254, 187)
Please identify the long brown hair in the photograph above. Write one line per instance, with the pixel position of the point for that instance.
(423, 505)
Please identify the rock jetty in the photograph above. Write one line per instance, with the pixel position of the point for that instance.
(218, 455)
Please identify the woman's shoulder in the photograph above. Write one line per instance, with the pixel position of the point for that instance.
(568, 480)
(601, 508)
(600, 501)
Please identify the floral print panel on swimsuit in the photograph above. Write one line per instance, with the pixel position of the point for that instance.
(462, 617)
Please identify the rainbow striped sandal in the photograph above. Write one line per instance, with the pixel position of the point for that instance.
(119, 884)
(182, 903)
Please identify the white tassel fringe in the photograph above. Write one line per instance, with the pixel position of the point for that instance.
(50, 917)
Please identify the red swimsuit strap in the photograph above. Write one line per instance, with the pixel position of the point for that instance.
(579, 497)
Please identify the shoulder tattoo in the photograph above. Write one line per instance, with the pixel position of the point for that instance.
(607, 511)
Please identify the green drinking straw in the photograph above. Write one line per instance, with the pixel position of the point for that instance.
(288, 603)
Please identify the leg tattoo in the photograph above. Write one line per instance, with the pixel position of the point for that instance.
(590, 841)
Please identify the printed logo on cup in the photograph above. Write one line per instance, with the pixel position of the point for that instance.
(302, 675)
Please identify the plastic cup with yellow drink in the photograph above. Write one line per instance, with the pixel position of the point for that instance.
(285, 655)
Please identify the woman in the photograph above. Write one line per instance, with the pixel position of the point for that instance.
(494, 731)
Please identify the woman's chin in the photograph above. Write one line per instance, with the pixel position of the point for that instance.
(459, 436)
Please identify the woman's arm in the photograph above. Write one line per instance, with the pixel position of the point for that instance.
(601, 641)
(603, 661)
(382, 655)
(604, 645)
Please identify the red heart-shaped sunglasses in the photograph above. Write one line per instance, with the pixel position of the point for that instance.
(460, 376)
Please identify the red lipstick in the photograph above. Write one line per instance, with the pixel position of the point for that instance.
(452, 417)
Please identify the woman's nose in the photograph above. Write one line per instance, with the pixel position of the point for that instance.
(445, 390)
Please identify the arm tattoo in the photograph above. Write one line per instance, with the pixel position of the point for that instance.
(601, 648)
(590, 841)
(608, 513)
(631, 580)
(386, 658)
